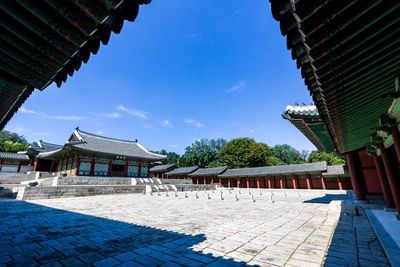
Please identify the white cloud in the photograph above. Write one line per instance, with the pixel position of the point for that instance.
(55, 117)
(135, 113)
(193, 122)
(148, 126)
(173, 145)
(167, 123)
(237, 88)
(112, 115)
(100, 132)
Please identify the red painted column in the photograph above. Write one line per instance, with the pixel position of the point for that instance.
(34, 164)
(323, 182)
(258, 182)
(281, 181)
(355, 176)
(162, 175)
(269, 182)
(78, 163)
(339, 183)
(229, 182)
(197, 180)
(92, 167)
(383, 180)
(212, 180)
(393, 182)
(19, 166)
(247, 182)
(238, 182)
(294, 177)
(205, 180)
(309, 182)
(396, 141)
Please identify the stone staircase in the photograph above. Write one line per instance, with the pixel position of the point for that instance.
(77, 186)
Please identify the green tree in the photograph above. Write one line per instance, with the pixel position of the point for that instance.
(244, 152)
(330, 158)
(12, 142)
(203, 153)
(289, 155)
(172, 157)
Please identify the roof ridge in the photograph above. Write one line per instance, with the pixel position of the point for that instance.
(105, 137)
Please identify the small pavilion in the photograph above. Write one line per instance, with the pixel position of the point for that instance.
(14, 162)
(160, 170)
(181, 173)
(208, 175)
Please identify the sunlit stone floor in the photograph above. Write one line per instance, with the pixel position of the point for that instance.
(133, 230)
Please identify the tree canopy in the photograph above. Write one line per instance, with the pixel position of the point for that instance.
(330, 158)
(12, 142)
(203, 153)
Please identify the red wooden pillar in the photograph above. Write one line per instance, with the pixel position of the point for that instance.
(238, 182)
(92, 167)
(229, 182)
(269, 182)
(109, 168)
(205, 180)
(247, 182)
(19, 166)
(339, 183)
(162, 175)
(258, 182)
(383, 180)
(212, 180)
(323, 182)
(309, 182)
(396, 141)
(393, 181)
(281, 181)
(197, 180)
(139, 169)
(78, 163)
(294, 177)
(34, 164)
(353, 165)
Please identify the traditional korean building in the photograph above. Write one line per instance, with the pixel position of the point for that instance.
(94, 155)
(296, 176)
(160, 170)
(348, 57)
(337, 177)
(181, 173)
(42, 164)
(15, 162)
(208, 175)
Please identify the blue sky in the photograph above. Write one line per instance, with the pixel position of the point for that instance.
(183, 70)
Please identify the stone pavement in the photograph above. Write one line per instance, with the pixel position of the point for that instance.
(151, 230)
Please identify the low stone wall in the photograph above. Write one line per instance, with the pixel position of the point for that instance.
(39, 192)
(90, 180)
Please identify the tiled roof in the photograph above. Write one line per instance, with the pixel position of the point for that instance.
(302, 110)
(105, 145)
(277, 170)
(161, 168)
(336, 170)
(208, 171)
(45, 147)
(14, 156)
(96, 143)
(46, 41)
(182, 171)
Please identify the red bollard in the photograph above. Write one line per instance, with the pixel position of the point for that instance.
(357, 211)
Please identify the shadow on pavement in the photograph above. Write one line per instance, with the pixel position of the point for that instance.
(33, 234)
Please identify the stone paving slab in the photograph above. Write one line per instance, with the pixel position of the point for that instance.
(151, 230)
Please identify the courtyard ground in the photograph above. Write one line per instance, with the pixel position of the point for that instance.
(154, 230)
